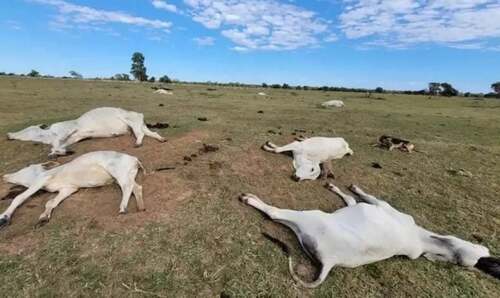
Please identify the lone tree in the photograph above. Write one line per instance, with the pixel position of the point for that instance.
(75, 75)
(434, 88)
(165, 79)
(33, 73)
(496, 87)
(121, 77)
(448, 90)
(138, 70)
(379, 90)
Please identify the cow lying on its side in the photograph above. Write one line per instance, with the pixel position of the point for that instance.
(333, 103)
(391, 143)
(89, 170)
(310, 153)
(367, 232)
(96, 123)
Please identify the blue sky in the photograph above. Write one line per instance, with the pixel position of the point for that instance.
(396, 44)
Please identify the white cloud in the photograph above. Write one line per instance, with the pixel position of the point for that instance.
(78, 16)
(260, 24)
(407, 22)
(164, 5)
(204, 41)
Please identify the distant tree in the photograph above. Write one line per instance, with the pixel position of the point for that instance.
(138, 70)
(496, 87)
(285, 86)
(75, 75)
(276, 86)
(434, 88)
(264, 85)
(152, 79)
(379, 90)
(11, 74)
(448, 90)
(306, 88)
(2, 73)
(165, 79)
(33, 73)
(122, 77)
(298, 87)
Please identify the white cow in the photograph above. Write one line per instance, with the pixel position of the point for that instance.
(333, 103)
(163, 91)
(96, 123)
(308, 154)
(364, 233)
(262, 94)
(89, 170)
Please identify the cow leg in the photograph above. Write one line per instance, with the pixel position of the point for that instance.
(53, 203)
(349, 200)
(270, 147)
(126, 193)
(326, 170)
(152, 134)
(366, 197)
(286, 217)
(20, 199)
(137, 190)
(138, 132)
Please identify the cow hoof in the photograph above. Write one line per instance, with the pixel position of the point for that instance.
(244, 197)
(163, 140)
(4, 221)
(353, 188)
(41, 222)
(122, 212)
(137, 145)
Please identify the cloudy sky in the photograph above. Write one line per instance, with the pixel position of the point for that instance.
(396, 44)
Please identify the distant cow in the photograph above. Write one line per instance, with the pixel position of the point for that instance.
(368, 232)
(391, 143)
(333, 103)
(96, 123)
(312, 156)
(89, 170)
(163, 91)
(262, 94)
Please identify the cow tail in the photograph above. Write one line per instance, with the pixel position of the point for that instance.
(141, 166)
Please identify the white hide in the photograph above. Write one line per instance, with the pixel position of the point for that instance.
(96, 123)
(89, 170)
(262, 94)
(163, 91)
(333, 103)
(310, 153)
(364, 233)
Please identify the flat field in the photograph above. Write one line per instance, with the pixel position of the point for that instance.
(197, 239)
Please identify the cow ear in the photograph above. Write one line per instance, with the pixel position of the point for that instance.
(50, 164)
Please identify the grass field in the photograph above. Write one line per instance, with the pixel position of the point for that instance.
(197, 239)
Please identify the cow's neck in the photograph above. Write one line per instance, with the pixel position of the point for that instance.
(436, 244)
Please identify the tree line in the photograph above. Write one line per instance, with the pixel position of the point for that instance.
(139, 72)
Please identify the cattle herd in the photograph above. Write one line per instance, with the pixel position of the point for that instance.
(360, 233)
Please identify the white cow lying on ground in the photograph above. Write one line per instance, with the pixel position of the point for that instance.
(89, 170)
(308, 154)
(163, 91)
(96, 123)
(364, 233)
(333, 103)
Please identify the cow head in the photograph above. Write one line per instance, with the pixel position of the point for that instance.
(36, 133)
(305, 169)
(28, 175)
